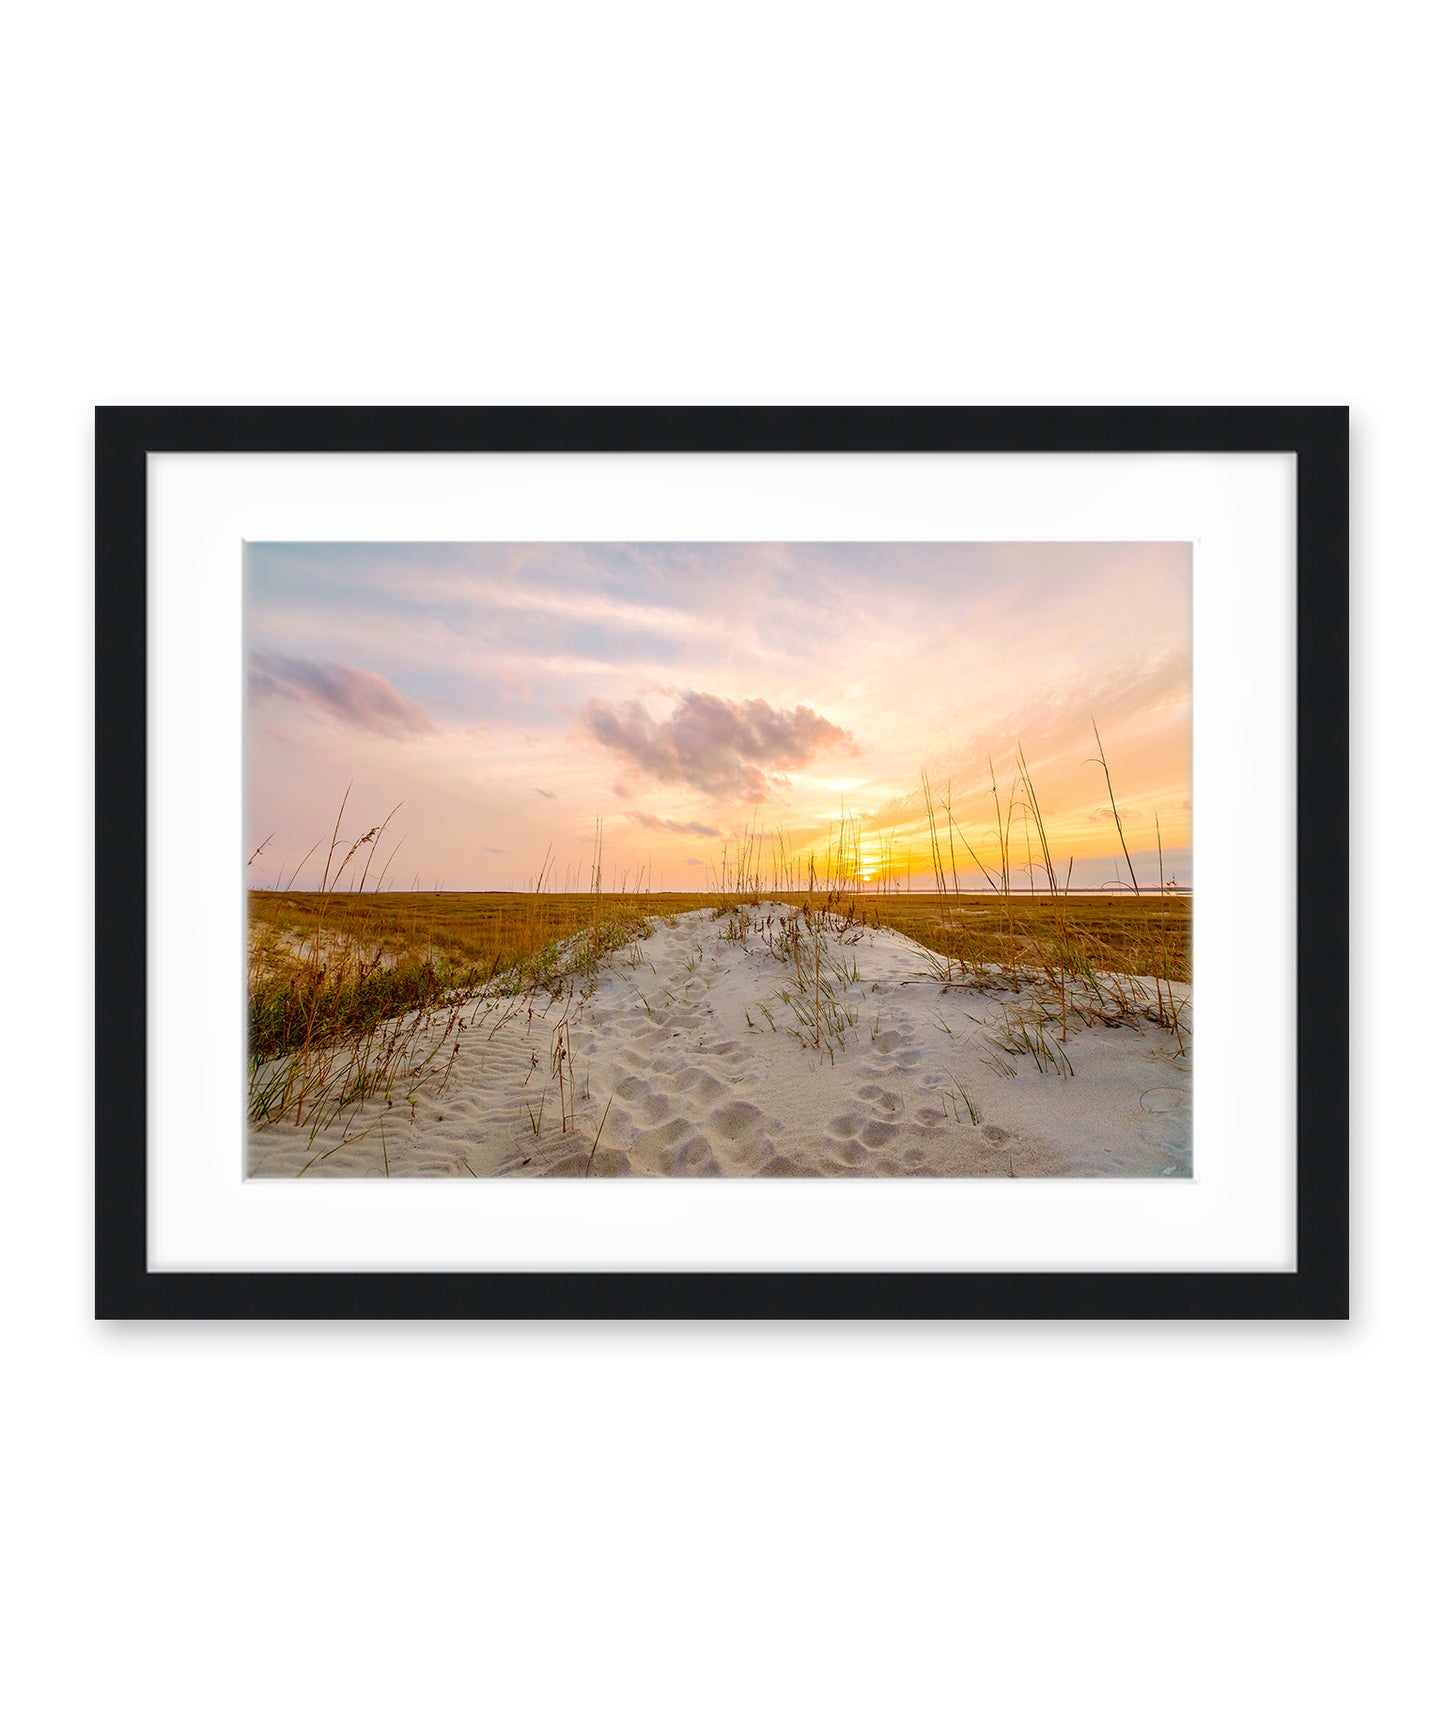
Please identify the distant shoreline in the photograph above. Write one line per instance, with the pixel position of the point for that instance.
(932, 894)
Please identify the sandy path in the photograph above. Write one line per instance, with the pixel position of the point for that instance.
(717, 1051)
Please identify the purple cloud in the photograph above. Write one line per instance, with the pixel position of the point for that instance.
(692, 828)
(355, 696)
(715, 745)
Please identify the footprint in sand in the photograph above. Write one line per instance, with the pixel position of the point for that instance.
(737, 1120)
(898, 1060)
(846, 1154)
(698, 1084)
(740, 1131)
(783, 1168)
(674, 1147)
(858, 1128)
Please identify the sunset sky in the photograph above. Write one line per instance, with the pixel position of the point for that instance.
(509, 696)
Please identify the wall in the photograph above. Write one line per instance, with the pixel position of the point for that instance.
(1007, 1526)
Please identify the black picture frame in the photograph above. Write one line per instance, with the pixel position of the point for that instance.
(124, 1285)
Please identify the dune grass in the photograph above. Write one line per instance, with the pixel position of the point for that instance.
(356, 993)
(480, 936)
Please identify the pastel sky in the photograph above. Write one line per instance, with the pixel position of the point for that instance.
(509, 696)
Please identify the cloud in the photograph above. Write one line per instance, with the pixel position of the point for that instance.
(1105, 815)
(546, 794)
(714, 744)
(692, 861)
(487, 849)
(691, 828)
(354, 696)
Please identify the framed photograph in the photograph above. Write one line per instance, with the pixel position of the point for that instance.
(722, 863)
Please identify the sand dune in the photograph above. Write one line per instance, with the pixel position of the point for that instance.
(748, 1044)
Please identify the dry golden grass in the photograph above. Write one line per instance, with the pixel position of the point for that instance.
(361, 994)
(1123, 935)
(355, 993)
(491, 932)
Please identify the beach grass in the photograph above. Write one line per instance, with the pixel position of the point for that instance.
(328, 971)
(478, 936)
(361, 992)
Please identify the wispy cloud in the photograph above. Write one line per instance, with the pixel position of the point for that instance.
(679, 827)
(357, 697)
(459, 676)
(715, 744)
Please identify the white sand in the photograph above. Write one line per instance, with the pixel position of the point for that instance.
(675, 1035)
